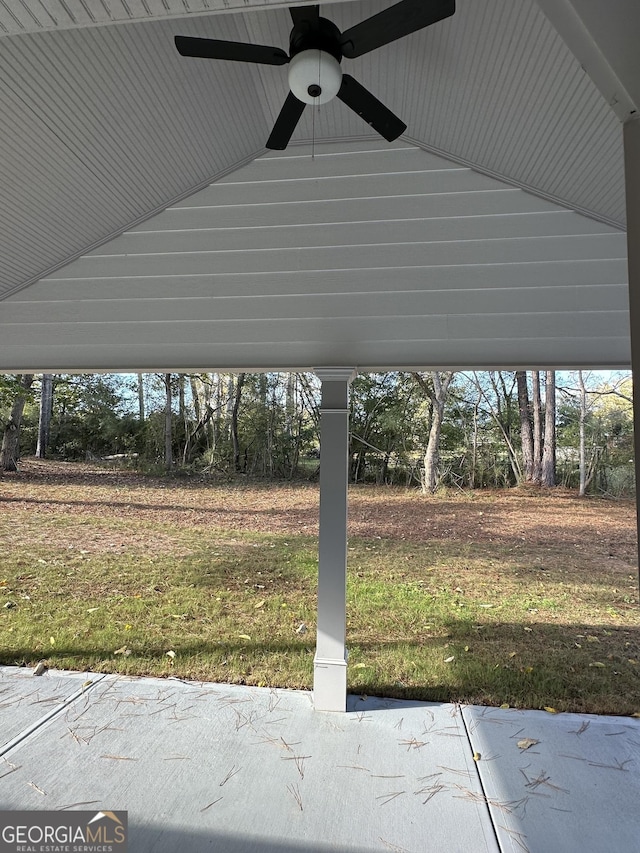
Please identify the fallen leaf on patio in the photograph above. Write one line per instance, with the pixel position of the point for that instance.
(244, 636)
(550, 710)
(41, 668)
(505, 706)
(598, 664)
(526, 742)
(636, 715)
(476, 756)
(449, 659)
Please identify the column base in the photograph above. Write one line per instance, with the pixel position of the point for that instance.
(330, 684)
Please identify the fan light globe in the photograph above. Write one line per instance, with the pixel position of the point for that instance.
(315, 76)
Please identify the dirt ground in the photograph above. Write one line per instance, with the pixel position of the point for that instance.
(591, 531)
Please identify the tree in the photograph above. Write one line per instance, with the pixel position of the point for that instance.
(168, 424)
(585, 478)
(548, 472)
(436, 390)
(384, 426)
(46, 410)
(595, 429)
(235, 409)
(537, 428)
(497, 394)
(9, 452)
(526, 426)
(140, 389)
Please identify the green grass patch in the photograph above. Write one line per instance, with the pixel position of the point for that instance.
(163, 590)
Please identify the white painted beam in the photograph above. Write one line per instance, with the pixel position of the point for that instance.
(330, 663)
(632, 173)
(582, 27)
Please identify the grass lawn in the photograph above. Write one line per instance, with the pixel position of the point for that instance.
(515, 598)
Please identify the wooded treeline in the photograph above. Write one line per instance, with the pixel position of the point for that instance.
(428, 430)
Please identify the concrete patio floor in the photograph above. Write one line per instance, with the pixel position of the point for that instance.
(204, 767)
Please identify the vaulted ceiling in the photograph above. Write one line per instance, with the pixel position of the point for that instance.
(491, 234)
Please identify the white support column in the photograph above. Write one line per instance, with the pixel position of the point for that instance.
(632, 182)
(330, 663)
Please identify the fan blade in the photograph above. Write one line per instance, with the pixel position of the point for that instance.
(368, 107)
(400, 20)
(304, 13)
(286, 123)
(235, 50)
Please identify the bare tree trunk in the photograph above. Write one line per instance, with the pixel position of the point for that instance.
(537, 429)
(438, 396)
(549, 451)
(583, 415)
(182, 411)
(195, 396)
(432, 453)
(526, 430)
(46, 410)
(181, 399)
(234, 420)
(141, 398)
(474, 445)
(290, 404)
(229, 413)
(168, 432)
(587, 470)
(11, 437)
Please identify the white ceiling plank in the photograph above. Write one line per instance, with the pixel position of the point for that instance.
(578, 274)
(380, 256)
(445, 229)
(339, 330)
(192, 214)
(573, 300)
(376, 356)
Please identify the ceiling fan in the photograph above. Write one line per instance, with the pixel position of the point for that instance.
(316, 48)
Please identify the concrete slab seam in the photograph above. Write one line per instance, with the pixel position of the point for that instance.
(482, 788)
(49, 716)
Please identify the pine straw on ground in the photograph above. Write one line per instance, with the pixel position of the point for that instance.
(517, 596)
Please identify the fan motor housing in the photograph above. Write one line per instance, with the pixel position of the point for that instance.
(319, 35)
